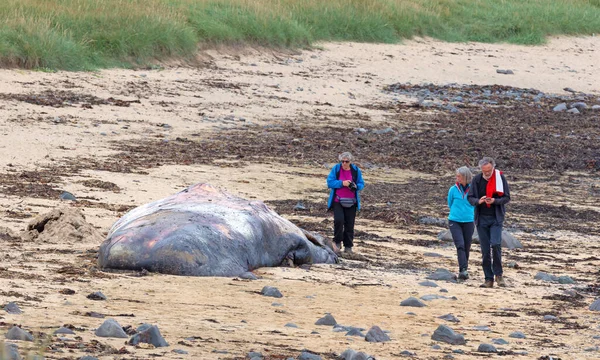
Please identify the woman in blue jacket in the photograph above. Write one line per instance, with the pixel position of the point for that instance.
(345, 181)
(460, 219)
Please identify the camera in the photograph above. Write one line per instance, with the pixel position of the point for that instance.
(352, 186)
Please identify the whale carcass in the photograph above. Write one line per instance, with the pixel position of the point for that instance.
(203, 231)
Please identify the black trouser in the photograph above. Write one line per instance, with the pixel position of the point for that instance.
(462, 234)
(490, 236)
(343, 224)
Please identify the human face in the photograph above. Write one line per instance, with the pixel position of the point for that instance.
(487, 171)
(346, 164)
(461, 180)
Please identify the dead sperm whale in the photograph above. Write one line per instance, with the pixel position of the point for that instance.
(203, 231)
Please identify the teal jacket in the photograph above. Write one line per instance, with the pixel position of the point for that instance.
(333, 183)
(460, 208)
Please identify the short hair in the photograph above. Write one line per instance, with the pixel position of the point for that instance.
(345, 155)
(487, 160)
(466, 173)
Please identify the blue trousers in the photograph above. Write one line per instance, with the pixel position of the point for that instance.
(490, 238)
(462, 234)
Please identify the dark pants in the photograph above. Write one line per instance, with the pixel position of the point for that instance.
(343, 224)
(462, 234)
(490, 238)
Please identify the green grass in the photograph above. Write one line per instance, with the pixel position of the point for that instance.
(89, 34)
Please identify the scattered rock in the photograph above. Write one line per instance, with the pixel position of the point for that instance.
(300, 206)
(429, 220)
(65, 195)
(150, 336)
(10, 352)
(407, 353)
(595, 305)
(432, 254)
(111, 328)
(327, 320)
(573, 111)
(436, 347)
(355, 332)
(432, 297)
(593, 348)
(12, 308)
(581, 106)
(517, 335)
(292, 325)
(181, 352)
(449, 317)
(254, 355)
(481, 328)
(375, 334)
(306, 355)
(505, 72)
(383, 131)
(350, 354)
(560, 107)
(596, 107)
(87, 357)
(64, 331)
(428, 284)
(248, 276)
(96, 296)
(445, 334)
(271, 291)
(565, 280)
(499, 341)
(16, 333)
(442, 274)
(412, 301)
(550, 318)
(143, 327)
(487, 348)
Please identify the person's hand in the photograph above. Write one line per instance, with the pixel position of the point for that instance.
(489, 201)
(346, 183)
(482, 200)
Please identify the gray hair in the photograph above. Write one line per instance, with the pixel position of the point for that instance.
(487, 160)
(466, 173)
(345, 155)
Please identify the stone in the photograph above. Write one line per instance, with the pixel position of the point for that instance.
(291, 325)
(10, 352)
(446, 334)
(111, 328)
(442, 274)
(254, 354)
(350, 354)
(375, 334)
(443, 290)
(183, 352)
(579, 106)
(428, 284)
(595, 305)
(64, 330)
(544, 276)
(383, 131)
(429, 220)
(300, 206)
(16, 333)
(271, 291)
(565, 280)
(65, 195)
(573, 111)
(432, 254)
(413, 302)
(560, 107)
(12, 308)
(248, 276)
(143, 327)
(481, 328)
(504, 72)
(87, 357)
(596, 107)
(407, 353)
(517, 335)
(355, 332)
(449, 317)
(150, 336)
(550, 318)
(436, 347)
(327, 320)
(499, 342)
(487, 348)
(306, 355)
(96, 296)
(432, 297)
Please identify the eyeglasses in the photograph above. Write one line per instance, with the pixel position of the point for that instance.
(346, 161)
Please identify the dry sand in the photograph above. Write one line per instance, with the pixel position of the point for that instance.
(240, 88)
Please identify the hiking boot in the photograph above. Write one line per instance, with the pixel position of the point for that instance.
(500, 281)
(463, 275)
(337, 247)
(348, 250)
(487, 284)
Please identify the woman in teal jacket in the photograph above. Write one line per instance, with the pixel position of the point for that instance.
(460, 219)
(345, 181)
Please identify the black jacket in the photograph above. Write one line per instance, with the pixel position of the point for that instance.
(498, 204)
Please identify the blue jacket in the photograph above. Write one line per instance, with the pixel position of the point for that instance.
(333, 183)
(461, 209)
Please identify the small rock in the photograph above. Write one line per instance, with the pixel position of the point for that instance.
(10, 352)
(87, 357)
(383, 131)
(306, 355)
(458, 351)
(443, 290)
(254, 354)
(593, 348)
(432, 297)
(579, 106)
(446, 334)
(327, 320)
(560, 107)
(143, 327)
(432, 254)
(505, 72)
(64, 330)
(375, 334)
(277, 304)
(596, 108)
(436, 347)
(449, 357)
(568, 89)
(350, 354)
(16, 333)
(517, 335)
(487, 348)
(481, 328)
(248, 275)
(500, 341)
(449, 317)
(411, 313)
(96, 296)
(12, 308)
(573, 111)
(595, 305)
(299, 206)
(429, 220)
(428, 284)
(150, 336)
(292, 325)
(442, 274)
(65, 195)
(550, 318)
(355, 332)
(543, 276)
(407, 353)
(565, 280)
(412, 301)
(271, 291)
(111, 328)
(180, 352)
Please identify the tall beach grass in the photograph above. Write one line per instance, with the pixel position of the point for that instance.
(88, 34)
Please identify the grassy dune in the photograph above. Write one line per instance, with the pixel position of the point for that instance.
(87, 34)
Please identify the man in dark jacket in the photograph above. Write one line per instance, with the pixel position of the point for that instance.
(489, 193)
